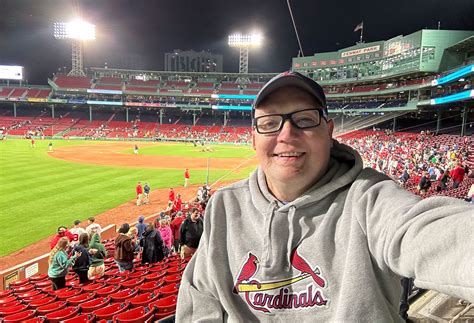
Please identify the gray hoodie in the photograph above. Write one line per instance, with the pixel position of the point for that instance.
(336, 253)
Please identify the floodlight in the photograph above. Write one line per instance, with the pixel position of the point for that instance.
(77, 29)
(244, 43)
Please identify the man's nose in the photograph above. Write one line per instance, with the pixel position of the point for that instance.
(288, 130)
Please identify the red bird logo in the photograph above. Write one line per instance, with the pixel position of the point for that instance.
(248, 270)
(299, 263)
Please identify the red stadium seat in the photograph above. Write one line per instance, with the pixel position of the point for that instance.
(42, 301)
(39, 277)
(175, 278)
(94, 304)
(20, 316)
(29, 294)
(164, 306)
(81, 298)
(62, 314)
(19, 283)
(131, 283)
(139, 273)
(92, 287)
(8, 299)
(143, 299)
(35, 320)
(23, 288)
(155, 276)
(150, 286)
(8, 310)
(123, 295)
(51, 307)
(42, 283)
(5, 293)
(115, 280)
(105, 291)
(171, 289)
(136, 315)
(83, 318)
(11, 304)
(64, 294)
(108, 312)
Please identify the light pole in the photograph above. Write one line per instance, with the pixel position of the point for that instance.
(77, 31)
(244, 43)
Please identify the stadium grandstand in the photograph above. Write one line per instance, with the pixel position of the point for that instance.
(405, 103)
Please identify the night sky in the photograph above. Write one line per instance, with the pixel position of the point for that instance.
(137, 33)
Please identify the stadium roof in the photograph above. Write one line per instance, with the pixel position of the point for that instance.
(463, 45)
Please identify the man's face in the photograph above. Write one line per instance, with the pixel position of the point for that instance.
(195, 215)
(292, 157)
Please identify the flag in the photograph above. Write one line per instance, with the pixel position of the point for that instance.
(359, 26)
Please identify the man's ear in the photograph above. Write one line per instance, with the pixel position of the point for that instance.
(253, 139)
(330, 124)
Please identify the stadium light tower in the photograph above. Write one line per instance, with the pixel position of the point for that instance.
(244, 43)
(77, 31)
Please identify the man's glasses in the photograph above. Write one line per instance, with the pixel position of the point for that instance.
(303, 119)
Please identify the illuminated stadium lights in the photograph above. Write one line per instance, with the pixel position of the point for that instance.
(244, 43)
(77, 31)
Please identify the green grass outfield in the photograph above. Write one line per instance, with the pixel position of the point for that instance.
(38, 193)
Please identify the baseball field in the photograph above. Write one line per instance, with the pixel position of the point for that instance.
(40, 190)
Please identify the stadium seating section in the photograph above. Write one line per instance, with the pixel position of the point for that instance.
(145, 294)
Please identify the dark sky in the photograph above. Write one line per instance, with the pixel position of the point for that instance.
(137, 33)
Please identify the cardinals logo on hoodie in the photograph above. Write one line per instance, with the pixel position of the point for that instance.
(277, 295)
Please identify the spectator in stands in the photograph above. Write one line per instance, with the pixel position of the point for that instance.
(175, 226)
(457, 174)
(311, 209)
(76, 231)
(62, 232)
(178, 203)
(98, 252)
(171, 195)
(404, 177)
(82, 263)
(133, 234)
(153, 246)
(124, 249)
(186, 177)
(139, 192)
(93, 227)
(443, 180)
(146, 194)
(59, 263)
(140, 226)
(425, 183)
(166, 234)
(190, 234)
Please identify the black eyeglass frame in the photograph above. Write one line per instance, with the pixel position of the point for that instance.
(288, 116)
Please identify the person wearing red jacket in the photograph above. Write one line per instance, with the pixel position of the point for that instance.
(457, 174)
(171, 195)
(139, 191)
(62, 232)
(175, 226)
(186, 177)
(177, 203)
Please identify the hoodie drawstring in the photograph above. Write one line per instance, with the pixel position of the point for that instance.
(289, 244)
(267, 240)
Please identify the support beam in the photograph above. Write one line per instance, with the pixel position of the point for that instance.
(194, 118)
(394, 124)
(161, 116)
(14, 109)
(438, 122)
(90, 113)
(126, 114)
(464, 122)
(52, 111)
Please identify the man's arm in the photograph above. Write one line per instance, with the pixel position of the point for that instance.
(429, 240)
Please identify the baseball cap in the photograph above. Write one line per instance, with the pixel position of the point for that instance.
(290, 78)
(77, 222)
